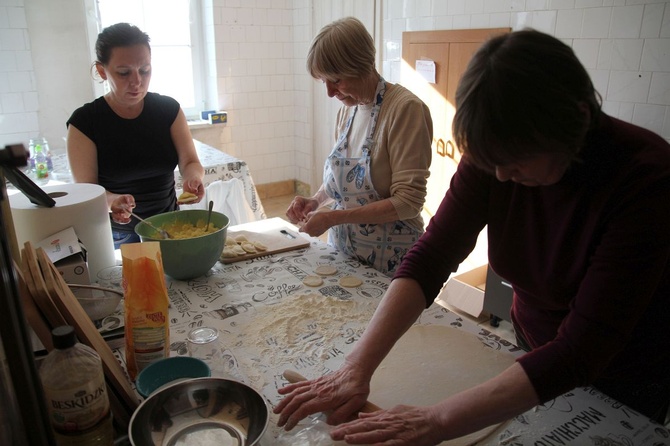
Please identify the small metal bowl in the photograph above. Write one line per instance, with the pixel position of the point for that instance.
(200, 411)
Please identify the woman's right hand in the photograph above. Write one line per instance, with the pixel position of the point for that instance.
(341, 393)
(120, 207)
(299, 209)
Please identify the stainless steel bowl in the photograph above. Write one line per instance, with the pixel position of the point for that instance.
(201, 411)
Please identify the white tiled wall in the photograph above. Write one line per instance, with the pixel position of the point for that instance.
(280, 120)
(624, 44)
(18, 88)
(261, 82)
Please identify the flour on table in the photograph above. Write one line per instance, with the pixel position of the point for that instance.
(299, 331)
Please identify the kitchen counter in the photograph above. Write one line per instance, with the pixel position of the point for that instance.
(253, 305)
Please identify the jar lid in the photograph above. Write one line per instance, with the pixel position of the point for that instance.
(203, 335)
(63, 337)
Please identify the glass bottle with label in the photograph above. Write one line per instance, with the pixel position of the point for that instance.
(74, 386)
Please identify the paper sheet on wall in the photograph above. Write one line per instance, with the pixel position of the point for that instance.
(426, 69)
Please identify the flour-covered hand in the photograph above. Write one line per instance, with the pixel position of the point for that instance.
(399, 426)
(340, 394)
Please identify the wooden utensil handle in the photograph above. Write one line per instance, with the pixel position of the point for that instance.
(93, 287)
(293, 377)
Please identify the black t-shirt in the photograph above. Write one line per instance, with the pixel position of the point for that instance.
(135, 156)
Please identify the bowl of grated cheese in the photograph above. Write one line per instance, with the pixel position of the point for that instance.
(193, 247)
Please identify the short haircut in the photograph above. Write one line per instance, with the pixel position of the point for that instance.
(523, 93)
(344, 48)
(118, 35)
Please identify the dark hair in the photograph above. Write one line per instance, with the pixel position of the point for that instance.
(118, 35)
(342, 48)
(523, 93)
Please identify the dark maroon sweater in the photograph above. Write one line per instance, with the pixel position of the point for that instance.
(588, 258)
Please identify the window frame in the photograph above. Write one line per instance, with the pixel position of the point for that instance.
(198, 52)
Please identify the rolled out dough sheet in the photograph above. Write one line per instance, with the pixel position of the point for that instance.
(432, 362)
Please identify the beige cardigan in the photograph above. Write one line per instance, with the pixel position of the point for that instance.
(401, 152)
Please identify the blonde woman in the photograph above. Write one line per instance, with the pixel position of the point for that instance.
(374, 180)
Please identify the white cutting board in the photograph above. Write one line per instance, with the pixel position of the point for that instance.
(273, 238)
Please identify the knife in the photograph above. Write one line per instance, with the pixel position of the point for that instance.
(294, 377)
(287, 234)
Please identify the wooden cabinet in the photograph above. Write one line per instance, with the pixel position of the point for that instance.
(450, 51)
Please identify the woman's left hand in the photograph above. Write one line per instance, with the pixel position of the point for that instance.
(399, 426)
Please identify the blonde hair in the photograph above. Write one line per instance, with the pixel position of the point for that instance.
(344, 48)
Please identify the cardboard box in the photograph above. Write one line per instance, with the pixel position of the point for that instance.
(68, 254)
(219, 117)
(205, 114)
(466, 291)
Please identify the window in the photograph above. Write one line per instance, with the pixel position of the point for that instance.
(177, 52)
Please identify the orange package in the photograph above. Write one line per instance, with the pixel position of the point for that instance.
(147, 329)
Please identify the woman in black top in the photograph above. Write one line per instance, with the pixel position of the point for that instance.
(129, 141)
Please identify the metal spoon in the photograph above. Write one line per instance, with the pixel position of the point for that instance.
(209, 214)
(162, 232)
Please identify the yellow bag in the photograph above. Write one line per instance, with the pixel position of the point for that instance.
(147, 329)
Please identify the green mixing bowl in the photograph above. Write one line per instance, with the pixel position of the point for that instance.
(188, 258)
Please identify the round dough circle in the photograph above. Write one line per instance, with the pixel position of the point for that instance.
(312, 281)
(325, 270)
(432, 362)
(350, 282)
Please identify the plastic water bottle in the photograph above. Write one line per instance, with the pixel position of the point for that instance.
(39, 148)
(74, 386)
(41, 164)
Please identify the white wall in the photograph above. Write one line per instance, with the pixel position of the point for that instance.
(44, 68)
(624, 44)
(261, 84)
(18, 87)
(280, 120)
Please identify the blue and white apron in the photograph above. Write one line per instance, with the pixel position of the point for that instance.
(349, 183)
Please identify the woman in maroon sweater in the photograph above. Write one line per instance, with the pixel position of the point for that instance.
(577, 209)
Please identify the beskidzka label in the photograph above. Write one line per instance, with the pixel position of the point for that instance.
(78, 408)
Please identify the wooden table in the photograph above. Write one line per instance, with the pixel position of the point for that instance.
(246, 301)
